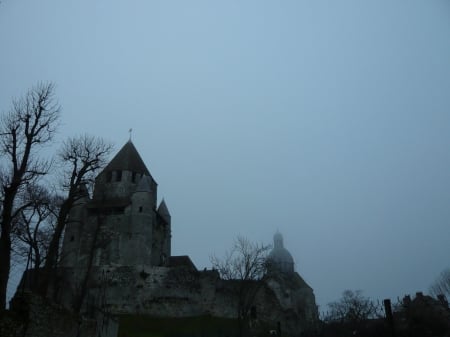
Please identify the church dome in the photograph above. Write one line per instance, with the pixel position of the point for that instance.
(279, 258)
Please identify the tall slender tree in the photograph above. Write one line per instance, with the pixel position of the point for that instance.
(29, 125)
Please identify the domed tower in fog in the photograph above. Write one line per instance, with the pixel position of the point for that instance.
(279, 258)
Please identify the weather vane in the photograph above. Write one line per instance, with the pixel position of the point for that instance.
(130, 132)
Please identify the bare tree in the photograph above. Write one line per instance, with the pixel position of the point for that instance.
(352, 308)
(442, 284)
(81, 157)
(245, 263)
(29, 125)
(34, 226)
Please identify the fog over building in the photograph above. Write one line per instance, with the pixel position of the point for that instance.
(117, 247)
(280, 258)
(326, 119)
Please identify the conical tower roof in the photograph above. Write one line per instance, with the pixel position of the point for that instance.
(163, 211)
(128, 159)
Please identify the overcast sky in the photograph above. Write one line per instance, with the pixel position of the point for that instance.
(326, 120)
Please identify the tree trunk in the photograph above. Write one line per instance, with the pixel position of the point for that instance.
(5, 265)
(52, 255)
(5, 245)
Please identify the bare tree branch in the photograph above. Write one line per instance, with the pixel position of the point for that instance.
(442, 284)
(29, 125)
(81, 158)
(245, 261)
(352, 308)
(33, 225)
(246, 264)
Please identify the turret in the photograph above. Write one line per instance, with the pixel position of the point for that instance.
(162, 235)
(137, 249)
(164, 212)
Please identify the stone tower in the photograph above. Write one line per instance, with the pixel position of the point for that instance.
(120, 225)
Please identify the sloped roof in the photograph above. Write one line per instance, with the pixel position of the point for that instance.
(181, 261)
(163, 211)
(128, 159)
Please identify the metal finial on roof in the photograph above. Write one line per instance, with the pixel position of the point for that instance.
(130, 132)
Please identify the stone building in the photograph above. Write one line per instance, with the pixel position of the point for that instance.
(116, 256)
(121, 217)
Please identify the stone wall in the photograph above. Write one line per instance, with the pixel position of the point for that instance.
(31, 315)
(175, 292)
(185, 292)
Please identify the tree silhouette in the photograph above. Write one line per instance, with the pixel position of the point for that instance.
(28, 126)
(245, 263)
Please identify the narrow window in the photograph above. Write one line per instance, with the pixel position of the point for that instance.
(72, 238)
(118, 175)
(108, 176)
(140, 209)
(133, 177)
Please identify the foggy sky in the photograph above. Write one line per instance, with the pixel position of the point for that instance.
(326, 120)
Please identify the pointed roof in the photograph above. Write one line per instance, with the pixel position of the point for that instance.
(163, 211)
(182, 261)
(128, 159)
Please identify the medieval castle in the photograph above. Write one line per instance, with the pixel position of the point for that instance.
(116, 256)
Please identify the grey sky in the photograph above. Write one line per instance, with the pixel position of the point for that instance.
(327, 120)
